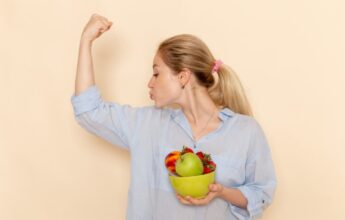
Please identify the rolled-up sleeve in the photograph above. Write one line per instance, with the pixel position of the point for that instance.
(86, 101)
(260, 182)
(111, 121)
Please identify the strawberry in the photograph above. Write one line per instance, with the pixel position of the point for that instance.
(186, 149)
(210, 167)
(200, 155)
(205, 158)
(207, 170)
(212, 164)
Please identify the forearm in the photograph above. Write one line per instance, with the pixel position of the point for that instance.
(85, 72)
(234, 196)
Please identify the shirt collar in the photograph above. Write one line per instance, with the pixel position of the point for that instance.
(224, 114)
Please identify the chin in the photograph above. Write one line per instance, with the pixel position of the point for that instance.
(158, 105)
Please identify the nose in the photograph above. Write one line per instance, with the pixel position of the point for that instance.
(150, 83)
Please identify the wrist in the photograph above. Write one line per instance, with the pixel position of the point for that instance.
(85, 41)
(233, 196)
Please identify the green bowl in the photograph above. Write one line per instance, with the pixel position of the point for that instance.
(194, 186)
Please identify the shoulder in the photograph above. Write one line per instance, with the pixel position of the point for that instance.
(246, 121)
(153, 113)
(242, 126)
(240, 121)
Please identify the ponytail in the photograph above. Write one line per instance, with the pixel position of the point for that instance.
(229, 92)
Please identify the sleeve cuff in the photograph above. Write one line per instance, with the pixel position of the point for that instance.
(254, 206)
(86, 101)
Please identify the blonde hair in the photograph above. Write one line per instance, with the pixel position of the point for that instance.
(188, 51)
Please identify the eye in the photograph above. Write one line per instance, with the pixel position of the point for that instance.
(155, 74)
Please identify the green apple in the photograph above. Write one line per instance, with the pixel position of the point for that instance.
(189, 164)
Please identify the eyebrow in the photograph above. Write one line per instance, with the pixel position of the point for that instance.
(154, 65)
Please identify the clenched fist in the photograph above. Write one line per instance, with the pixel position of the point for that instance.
(96, 26)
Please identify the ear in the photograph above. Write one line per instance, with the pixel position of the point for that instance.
(184, 76)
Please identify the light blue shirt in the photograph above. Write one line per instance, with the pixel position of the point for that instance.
(238, 147)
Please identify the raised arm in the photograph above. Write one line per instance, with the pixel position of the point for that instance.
(96, 26)
(109, 120)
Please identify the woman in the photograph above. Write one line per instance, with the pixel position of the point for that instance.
(214, 117)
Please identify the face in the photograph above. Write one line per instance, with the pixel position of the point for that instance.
(165, 88)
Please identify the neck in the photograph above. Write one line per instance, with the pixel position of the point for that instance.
(198, 106)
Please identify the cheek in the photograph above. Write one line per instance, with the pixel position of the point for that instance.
(169, 92)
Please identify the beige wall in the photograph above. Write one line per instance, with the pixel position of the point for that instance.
(288, 54)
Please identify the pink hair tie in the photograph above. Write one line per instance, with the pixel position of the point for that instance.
(217, 65)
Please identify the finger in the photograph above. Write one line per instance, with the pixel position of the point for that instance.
(109, 25)
(104, 28)
(215, 187)
(183, 200)
(178, 196)
(103, 24)
(212, 187)
(192, 200)
(105, 21)
(198, 202)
